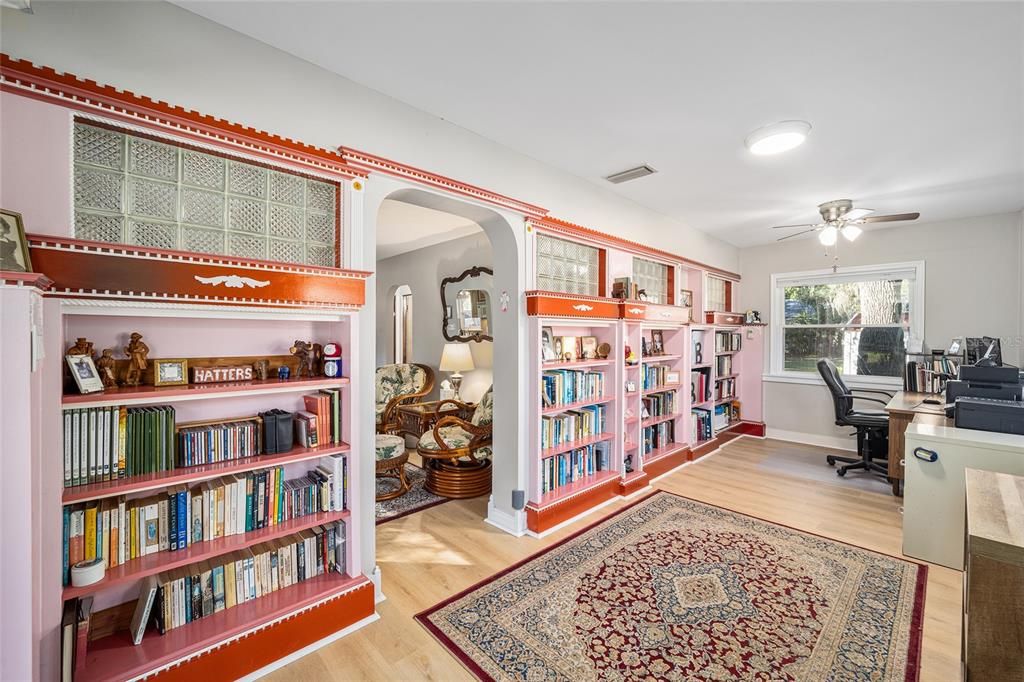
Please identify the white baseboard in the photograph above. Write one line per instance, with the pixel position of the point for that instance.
(818, 439)
(306, 650)
(378, 592)
(513, 524)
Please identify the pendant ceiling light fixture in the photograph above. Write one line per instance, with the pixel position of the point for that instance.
(777, 137)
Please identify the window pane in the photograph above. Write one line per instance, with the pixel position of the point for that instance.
(570, 267)
(716, 293)
(652, 278)
(871, 351)
(858, 303)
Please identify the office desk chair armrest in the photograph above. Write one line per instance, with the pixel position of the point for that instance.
(860, 397)
(871, 390)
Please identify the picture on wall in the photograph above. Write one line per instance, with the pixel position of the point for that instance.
(14, 255)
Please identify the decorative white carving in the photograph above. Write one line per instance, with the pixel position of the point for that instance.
(583, 307)
(636, 311)
(666, 314)
(232, 281)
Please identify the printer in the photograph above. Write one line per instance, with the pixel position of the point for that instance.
(987, 399)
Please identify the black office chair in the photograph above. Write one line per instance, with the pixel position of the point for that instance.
(872, 427)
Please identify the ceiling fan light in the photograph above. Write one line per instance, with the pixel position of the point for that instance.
(777, 137)
(851, 232)
(828, 236)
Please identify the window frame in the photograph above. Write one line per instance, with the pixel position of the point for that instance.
(727, 287)
(912, 270)
(669, 276)
(602, 255)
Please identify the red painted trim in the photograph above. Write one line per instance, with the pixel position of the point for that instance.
(540, 519)
(666, 463)
(556, 304)
(628, 486)
(35, 280)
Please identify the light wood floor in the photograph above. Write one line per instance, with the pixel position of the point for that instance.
(431, 555)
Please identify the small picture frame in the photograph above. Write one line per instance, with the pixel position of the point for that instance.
(686, 298)
(570, 351)
(547, 345)
(630, 387)
(170, 372)
(558, 348)
(657, 342)
(83, 369)
(955, 345)
(671, 377)
(14, 256)
(589, 347)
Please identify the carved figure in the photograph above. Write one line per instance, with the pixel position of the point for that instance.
(262, 368)
(318, 359)
(137, 353)
(106, 365)
(83, 346)
(303, 351)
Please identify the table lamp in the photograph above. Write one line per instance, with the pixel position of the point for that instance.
(455, 358)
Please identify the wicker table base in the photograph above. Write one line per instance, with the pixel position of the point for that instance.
(394, 468)
(458, 480)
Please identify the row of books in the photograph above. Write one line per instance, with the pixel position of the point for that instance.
(929, 376)
(660, 404)
(74, 636)
(700, 425)
(724, 415)
(322, 418)
(181, 596)
(120, 530)
(725, 388)
(700, 385)
(659, 436)
(566, 386)
(727, 342)
(572, 425)
(108, 443)
(219, 442)
(656, 375)
(568, 467)
(723, 365)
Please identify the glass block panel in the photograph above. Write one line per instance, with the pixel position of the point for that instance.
(247, 246)
(286, 222)
(202, 208)
(320, 227)
(320, 255)
(202, 241)
(99, 146)
(320, 196)
(154, 199)
(99, 227)
(152, 159)
(202, 170)
(288, 189)
(156, 235)
(247, 179)
(247, 215)
(287, 251)
(98, 189)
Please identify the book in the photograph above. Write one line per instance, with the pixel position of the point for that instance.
(67, 640)
(142, 608)
(84, 615)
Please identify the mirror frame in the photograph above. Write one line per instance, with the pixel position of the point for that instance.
(474, 271)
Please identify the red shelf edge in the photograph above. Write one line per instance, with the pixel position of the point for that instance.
(555, 409)
(126, 396)
(574, 488)
(663, 418)
(573, 445)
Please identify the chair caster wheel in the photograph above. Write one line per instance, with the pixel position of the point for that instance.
(831, 460)
(840, 472)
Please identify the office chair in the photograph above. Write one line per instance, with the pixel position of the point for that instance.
(872, 427)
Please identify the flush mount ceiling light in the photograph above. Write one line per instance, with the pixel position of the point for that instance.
(777, 137)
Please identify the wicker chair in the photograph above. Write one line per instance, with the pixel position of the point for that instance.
(397, 385)
(457, 453)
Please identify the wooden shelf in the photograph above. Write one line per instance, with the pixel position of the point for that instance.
(726, 376)
(572, 445)
(576, 364)
(700, 367)
(576, 487)
(701, 404)
(727, 399)
(629, 446)
(151, 564)
(555, 409)
(636, 366)
(662, 389)
(663, 418)
(668, 357)
(658, 453)
(125, 486)
(115, 657)
(152, 395)
(726, 352)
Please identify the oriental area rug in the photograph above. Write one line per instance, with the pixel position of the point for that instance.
(672, 589)
(417, 499)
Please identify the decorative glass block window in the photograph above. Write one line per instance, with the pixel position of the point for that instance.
(133, 190)
(652, 277)
(569, 267)
(716, 297)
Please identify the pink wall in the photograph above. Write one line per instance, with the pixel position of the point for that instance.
(35, 167)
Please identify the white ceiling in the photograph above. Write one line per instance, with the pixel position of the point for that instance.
(914, 106)
(403, 227)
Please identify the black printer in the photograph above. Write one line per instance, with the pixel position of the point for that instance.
(987, 398)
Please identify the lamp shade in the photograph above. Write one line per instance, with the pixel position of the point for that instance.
(456, 357)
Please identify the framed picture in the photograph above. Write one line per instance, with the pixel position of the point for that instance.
(170, 372)
(547, 344)
(570, 352)
(13, 244)
(955, 345)
(589, 347)
(630, 386)
(671, 377)
(558, 348)
(83, 369)
(657, 342)
(686, 298)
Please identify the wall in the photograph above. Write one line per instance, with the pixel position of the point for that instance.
(423, 270)
(204, 66)
(972, 288)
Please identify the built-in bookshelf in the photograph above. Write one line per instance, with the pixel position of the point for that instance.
(663, 404)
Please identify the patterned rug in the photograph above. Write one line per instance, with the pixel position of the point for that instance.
(417, 499)
(670, 588)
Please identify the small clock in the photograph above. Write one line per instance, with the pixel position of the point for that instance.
(332, 350)
(332, 367)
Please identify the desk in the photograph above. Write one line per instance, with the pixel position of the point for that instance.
(907, 407)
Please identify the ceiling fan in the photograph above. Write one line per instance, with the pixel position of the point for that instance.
(840, 217)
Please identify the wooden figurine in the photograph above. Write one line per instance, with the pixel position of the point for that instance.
(136, 351)
(82, 346)
(318, 360)
(106, 365)
(303, 351)
(262, 368)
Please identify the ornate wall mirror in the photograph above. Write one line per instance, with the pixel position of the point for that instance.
(466, 305)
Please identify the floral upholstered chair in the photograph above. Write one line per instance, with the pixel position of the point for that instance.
(457, 453)
(396, 385)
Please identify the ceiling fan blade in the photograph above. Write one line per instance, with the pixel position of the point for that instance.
(891, 218)
(796, 234)
(857, 213)
(790, 227)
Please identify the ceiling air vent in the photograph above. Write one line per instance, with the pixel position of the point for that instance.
(630, 174)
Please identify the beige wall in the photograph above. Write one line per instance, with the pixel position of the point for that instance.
(973, 287)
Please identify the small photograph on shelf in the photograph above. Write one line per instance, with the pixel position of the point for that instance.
(558, 348)
(672, 377)
(657, 342)
(170, 372)
(83, 369)
(630, 387)
(686, 298)
(589, 347)
(570, 348)
(547, 344)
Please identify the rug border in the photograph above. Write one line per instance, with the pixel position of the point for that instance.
(436, 503)
(915, 643)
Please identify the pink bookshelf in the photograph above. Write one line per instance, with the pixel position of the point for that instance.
(574, 444)
(555, 409)
(576, 487)
(152, 395)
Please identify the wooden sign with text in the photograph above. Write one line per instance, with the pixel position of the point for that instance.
(216, 375)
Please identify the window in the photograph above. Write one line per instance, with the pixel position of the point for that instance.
(863, 319)
(652, 277)
(719, 294)
(403, 324)
(134, 190)
(569, 267)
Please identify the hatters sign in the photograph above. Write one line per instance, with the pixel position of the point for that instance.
(212, 375)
